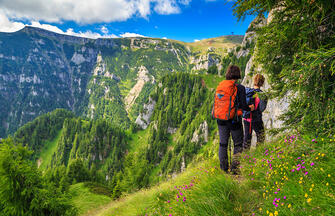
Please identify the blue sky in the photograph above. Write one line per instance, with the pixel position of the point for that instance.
(185, 20)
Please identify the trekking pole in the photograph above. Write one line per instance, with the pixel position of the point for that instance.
(230, 152)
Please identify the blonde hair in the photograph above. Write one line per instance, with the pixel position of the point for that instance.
(259, 80)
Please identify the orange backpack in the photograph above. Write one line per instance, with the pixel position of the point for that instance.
(224, 107)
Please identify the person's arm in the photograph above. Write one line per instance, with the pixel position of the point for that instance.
(242, 98)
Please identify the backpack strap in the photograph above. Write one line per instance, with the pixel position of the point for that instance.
(257, 101)
(234, 101)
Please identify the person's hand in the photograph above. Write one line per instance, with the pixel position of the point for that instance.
(252, 107)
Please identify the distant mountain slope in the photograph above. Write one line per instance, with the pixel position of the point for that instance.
(218, 43)
(126, 160)
(110, 78)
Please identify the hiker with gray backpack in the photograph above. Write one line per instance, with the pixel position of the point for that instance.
(252, 120)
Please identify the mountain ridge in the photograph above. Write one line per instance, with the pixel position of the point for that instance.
(37, 64)
(46, 32)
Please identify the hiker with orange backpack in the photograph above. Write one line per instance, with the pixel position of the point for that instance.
(253, 120)
(230, 100)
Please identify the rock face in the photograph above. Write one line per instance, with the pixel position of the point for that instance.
(203, 62)
(101, 69)
(142, 79)
(42, 70)
(275, 107)
(78, 58)
(101, 66)
(172, 130)
(143, 120)
(201, 132)
(249, 37)
(251, 34)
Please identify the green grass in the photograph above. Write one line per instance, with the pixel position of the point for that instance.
(212, 81)
(155, 199)
(209, 192)
(221, 44)
(48, 150)
(307, 191)
(138, 140)
(298, 171)
(125, 87)
(85, 201)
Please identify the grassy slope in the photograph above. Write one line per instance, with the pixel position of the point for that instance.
(219, 43)
(266, 177)
(211, 192)
(138, 140)
(155, 199)
(48, 150)
(125, 87)
(85, 200)
(255, 191)
(212, 81)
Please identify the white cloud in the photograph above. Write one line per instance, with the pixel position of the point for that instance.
(185, 2)
(219, 0)
(104, 29)
(86, 34)
(89, 34)
(128, 34)
(167, 7)
(47, 27)
(143, 7)
(164, 38)
(7, 26)
(196, 40)
(86, 11)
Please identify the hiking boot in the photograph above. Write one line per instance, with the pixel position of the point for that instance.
(247, 145)
(224, 165)
(235, 164)
(235, 168)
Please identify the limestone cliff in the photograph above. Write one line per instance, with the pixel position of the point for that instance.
(277, 106)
